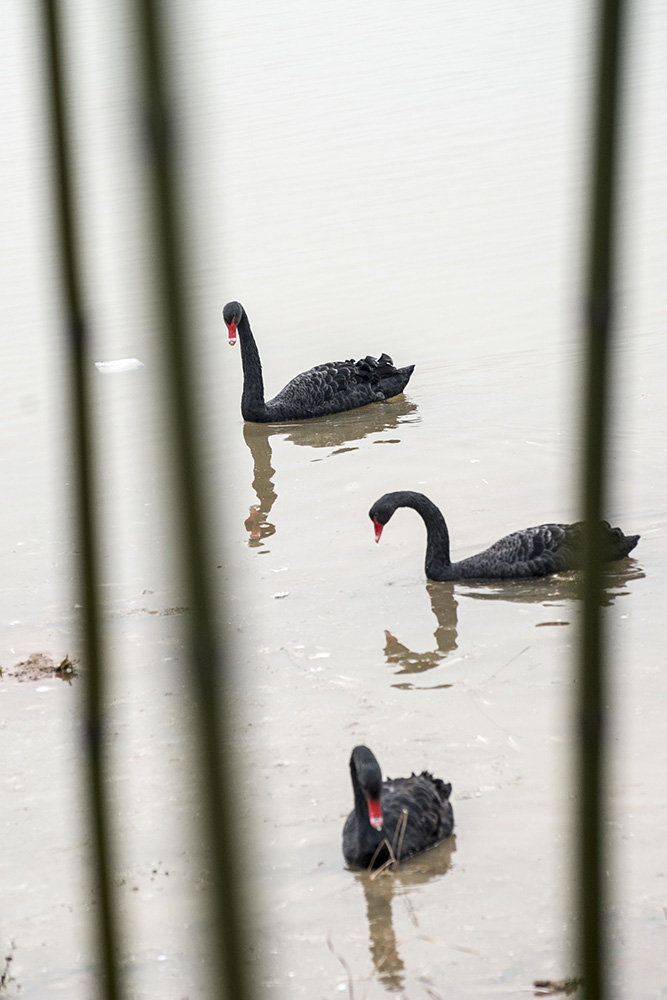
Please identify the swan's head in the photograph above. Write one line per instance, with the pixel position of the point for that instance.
(383, 509)
(365, 768)
(379, 514)
(232, 314)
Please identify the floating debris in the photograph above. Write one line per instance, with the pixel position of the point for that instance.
(38, 666)
(121, 365)
(5, 977)
(551, 987)
(152, 611)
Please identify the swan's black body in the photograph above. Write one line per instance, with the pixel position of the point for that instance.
(548, 548)
(329, 388)
(430, 818)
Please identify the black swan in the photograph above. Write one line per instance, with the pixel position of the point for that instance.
(548, 548)
(328, 388)
(379, 806)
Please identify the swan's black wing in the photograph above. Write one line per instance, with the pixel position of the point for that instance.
(429, 815)
(547, 548)
(337, 386)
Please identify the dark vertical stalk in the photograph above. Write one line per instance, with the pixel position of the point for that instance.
(227, 941)
(86, 519)
(592, 680)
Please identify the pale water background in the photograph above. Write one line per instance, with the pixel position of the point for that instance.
(385, 177)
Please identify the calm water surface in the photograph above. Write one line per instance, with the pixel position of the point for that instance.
(363, 180)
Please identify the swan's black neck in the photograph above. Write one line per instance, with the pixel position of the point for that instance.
(369, 838)
(360, 804)
(438, 563)
(253, 406)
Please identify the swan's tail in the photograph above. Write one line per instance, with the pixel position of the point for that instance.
(617, 545)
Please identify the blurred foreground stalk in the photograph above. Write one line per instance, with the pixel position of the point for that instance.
(592, 679)
(228, 943)
(82, 436)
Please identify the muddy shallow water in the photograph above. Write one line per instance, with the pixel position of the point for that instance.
(361, 184)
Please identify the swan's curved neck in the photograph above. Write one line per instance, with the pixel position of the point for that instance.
(253, 406)
(360, 805)
(438, 560)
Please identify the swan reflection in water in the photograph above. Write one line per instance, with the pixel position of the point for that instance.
(380, 887)
(333, 432)
(444, 606)
(257, 524)
(551, 591)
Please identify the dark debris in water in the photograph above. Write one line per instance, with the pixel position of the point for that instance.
(6, 978)
(551, 987)
(39, 666)
(153, 611)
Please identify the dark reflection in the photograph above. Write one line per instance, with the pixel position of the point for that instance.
(379, 889)
(258, 527)
(354, 425)
(551, 591)
(444, 607)
(322, 432)
(554, 590)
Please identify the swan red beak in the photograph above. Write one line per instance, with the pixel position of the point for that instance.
(375, 814)
(232, 334)
(378, 528)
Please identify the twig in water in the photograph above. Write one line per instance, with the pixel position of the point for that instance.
(348, 971)
(400, 831)
(385, 867)
(394, 855)
(387, 864)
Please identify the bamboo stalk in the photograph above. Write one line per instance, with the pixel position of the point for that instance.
(82, 436)
(592, 670)
(207, 662)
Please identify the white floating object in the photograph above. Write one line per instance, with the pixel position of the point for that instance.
(122, 365)
(281, 593)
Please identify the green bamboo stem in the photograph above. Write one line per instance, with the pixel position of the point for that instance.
(208, 675)
(86, 513)
(592, 671)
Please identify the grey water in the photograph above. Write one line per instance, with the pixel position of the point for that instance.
(363, 179)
